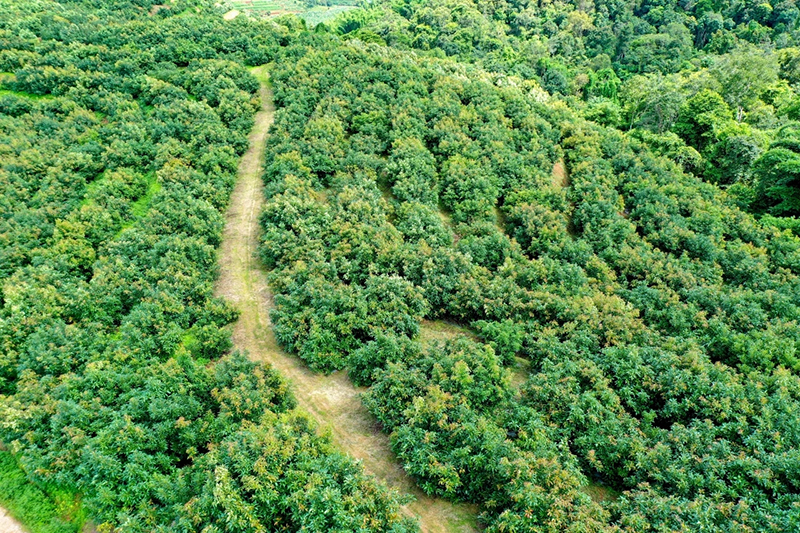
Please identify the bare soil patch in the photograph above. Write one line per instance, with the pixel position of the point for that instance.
(8, 524)
(559, 174)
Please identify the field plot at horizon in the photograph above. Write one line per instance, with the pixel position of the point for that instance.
(268, 7)
(312, 15)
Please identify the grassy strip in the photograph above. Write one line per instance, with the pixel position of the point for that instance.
(39, 510)
(4, 92)
(268, 5)
(142, 205)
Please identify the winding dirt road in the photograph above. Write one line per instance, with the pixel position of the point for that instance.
(332, 400)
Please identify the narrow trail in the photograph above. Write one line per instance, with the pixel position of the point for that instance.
(333, 401)
(8, 524)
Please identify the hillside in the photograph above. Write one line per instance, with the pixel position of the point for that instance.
(552, 247)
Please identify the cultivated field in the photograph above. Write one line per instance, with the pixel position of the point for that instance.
(272, 8)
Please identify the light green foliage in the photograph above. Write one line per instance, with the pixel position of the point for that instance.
(652, 102)
(731, 157)
(699, 118)
(744, 74)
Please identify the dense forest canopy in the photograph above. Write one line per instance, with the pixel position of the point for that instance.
(601, 195)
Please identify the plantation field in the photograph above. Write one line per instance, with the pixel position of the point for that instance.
(115, 170)
(333, 401)
(271, 8)
(319, 14)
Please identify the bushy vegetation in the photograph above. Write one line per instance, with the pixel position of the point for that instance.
(605, 191)
(660, 320)
(121, 133)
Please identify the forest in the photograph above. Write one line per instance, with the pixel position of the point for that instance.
(600, 198)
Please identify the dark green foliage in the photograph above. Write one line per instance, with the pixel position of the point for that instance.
(722, 76)
(375, 355)
(778, 172)
(698, 117)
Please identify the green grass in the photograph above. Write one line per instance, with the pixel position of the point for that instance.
(40, 510)
(4, 92)
(140, 206)
(6, 77)
(431, 331)
(261, 73)
(601, 493)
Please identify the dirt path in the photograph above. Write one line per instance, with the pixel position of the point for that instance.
(8, 524)
(332, 400)
(559, 174)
